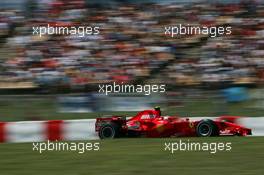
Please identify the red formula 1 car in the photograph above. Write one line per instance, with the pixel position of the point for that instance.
(150, 123)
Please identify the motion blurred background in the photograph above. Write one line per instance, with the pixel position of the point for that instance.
(57, 76)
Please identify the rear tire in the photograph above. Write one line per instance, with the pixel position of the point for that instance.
(109, 131)
(207, 128)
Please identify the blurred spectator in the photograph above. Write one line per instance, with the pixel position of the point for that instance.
(132, 45)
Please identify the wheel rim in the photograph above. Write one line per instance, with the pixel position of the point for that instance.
(107, 132)
(205, 130)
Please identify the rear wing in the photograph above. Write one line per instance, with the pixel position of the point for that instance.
(101, 121)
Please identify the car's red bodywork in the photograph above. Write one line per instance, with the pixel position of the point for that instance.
(149, 123)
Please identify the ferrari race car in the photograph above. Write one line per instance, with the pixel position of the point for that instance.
(150, 123)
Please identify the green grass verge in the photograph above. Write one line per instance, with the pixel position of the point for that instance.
(136, 156)
(39, 108)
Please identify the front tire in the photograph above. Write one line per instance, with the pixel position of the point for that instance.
(207, 128)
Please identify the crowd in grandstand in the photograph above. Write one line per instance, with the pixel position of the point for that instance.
(132, 45)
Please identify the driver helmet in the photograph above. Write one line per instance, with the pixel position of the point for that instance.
(157, 108)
